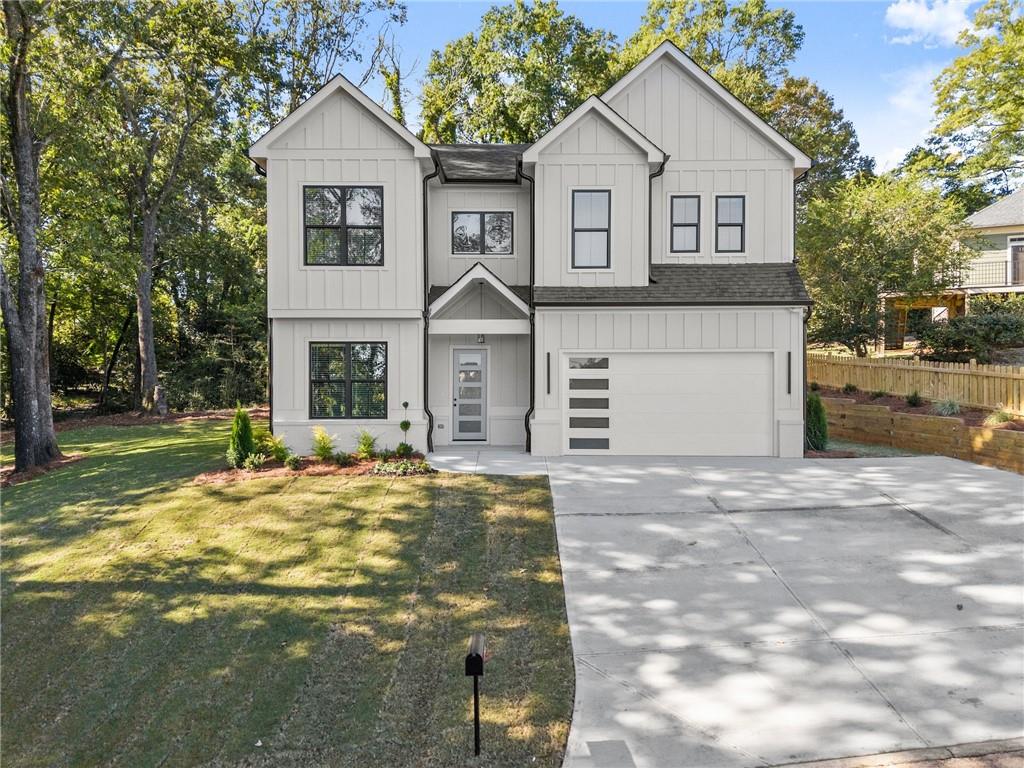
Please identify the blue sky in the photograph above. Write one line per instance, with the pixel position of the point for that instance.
(877, 59)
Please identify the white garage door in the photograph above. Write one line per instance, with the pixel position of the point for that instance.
(672, 403)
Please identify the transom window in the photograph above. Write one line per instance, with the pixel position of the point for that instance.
(348, 380)
(685, 223)
(591, 228)
(730, 223)
(482, 232)
(344, 226)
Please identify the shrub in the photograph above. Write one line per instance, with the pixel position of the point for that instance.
(877, 394)
(240, 444)
(974, 336)
(946, 407)
(292, 461)
(254, 461)
(323, 444)
(815, 386)
(402, 468)
(343, 459)
(995, 303)
(914, 399)
(403, 451)
(849, 388)
(273, 446)
(816, 425)
(366, 445)
(998, 417)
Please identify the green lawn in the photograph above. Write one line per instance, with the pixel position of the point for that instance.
(150, 621)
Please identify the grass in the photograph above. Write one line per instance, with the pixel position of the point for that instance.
(287, 621)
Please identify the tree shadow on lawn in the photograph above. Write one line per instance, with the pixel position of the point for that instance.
(322, 617)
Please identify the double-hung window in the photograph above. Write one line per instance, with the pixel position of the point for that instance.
(730, 222)
(591, 228)
(348, 380)
(482, 232)
(344, 226)
(685, 223)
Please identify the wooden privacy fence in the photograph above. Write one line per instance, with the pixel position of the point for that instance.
(982, 386)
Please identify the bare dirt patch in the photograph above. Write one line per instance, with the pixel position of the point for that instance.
(972, 417)
(830, 454)
(9, 477)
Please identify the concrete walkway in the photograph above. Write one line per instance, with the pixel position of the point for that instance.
(747, 612)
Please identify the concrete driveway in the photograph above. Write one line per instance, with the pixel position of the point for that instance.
(742, 612)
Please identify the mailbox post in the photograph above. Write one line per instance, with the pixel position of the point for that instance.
(475, 669)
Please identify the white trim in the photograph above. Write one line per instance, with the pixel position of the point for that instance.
(474, 327)
(477, 272)
(670, 50)
(258, 151)
(593, 104)
(1011, 241)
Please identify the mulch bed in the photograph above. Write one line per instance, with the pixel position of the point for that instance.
(972, 417)
(309, 468)
(9, 477)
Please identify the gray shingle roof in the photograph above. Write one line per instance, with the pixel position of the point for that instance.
(1006, 212)
(479, 162)
(522, 291)
(692, 284)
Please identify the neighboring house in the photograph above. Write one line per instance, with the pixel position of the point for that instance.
(625, 285)
(997, 234)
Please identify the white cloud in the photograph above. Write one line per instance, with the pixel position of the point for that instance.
(903, 119)
(933, 23)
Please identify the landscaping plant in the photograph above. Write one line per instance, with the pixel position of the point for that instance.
(815, 386)
(292, 461)
(254, 461)
(998, 417)
(946, 408)
(914, 399)
(402, 468)
(877, 394)
(273, 446)
(366, 445)
(241, 444)
(323, 444)
(343, 459)
(849, 388)
(974, 336)
(816, 427)
(404, 449)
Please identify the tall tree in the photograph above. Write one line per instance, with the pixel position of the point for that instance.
(746, 46)
(871, 235)
(979, 100)
(527, 68)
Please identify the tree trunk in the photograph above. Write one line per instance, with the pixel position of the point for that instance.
(35, 441)
(153, 399)
(112, 363)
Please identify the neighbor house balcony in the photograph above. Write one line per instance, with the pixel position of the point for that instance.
(990, 274)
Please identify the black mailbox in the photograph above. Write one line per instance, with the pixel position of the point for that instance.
(475, 656)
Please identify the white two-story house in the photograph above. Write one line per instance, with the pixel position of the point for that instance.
(625, 285)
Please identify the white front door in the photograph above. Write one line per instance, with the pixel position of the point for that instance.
(469, 396)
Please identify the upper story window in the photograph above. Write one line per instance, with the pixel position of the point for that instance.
(685, 223)
(348, 380)
(344, 226)
(591, 228)
(482, 232)
(730, 223)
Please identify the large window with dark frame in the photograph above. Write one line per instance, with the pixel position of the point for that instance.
(343, 226)
(685, 210)
(348, 380)
(730, 223)
(591, 228)
(482, 232)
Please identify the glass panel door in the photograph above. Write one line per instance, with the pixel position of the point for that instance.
(469, 398)
(1016, 262)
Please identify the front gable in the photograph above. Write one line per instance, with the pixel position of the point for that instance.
(688, 113)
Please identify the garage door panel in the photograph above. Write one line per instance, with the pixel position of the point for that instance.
(684, 403)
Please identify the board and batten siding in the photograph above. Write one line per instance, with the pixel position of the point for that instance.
(508, 386)
(291, 341)
(775, 330)
(592, 155)
(342, 143)
(443, 200)
(713, 151)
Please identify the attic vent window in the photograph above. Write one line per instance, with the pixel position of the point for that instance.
(344, 226)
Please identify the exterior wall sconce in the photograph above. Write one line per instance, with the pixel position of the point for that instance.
(479, 338)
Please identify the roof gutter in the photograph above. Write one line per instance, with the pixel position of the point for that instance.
(650, 213)
(426, 304)
(533, 330)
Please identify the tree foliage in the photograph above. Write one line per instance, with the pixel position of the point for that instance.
(526, 68)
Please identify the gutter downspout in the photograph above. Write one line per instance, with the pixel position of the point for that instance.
(533, 334)
(426, 305)
(810, 308)
(650, 214)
